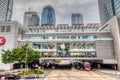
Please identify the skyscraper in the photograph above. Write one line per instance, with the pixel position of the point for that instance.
(48, 16)
(6, 7)
(31, 18)
(77, 18)
(117, 7)
(106, 10)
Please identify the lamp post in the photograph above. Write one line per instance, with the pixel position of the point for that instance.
(26, 55)
(115, 67)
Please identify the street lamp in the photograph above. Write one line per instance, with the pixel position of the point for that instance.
(26, 55)
(115, 67)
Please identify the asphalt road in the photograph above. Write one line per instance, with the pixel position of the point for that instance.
(77, 75)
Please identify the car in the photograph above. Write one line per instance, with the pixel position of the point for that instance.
(31, 76)
(3, 74)
(78, 65)
(12, 77)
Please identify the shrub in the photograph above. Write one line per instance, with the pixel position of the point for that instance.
(30, 72)
(40, 72)
(58, 61)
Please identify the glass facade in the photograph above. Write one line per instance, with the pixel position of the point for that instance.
(6, 7)
(68, 46)
(117, 7)
(48, 16)
(66, 49)
(106, 10)
(68, 41)
(77, 19)
(69, 37)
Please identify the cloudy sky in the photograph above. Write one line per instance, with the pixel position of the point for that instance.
(63, 9)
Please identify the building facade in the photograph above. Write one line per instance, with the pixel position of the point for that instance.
(31, 18)
(76, 18)
(6, 7)
(117, 7)
(82, 42)
(9, 32)
(113, 25)
(48, 16)
(106, 10)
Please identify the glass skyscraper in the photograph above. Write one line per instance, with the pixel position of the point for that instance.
(48, 16)
(77, 18)
(106, 10)
(6, 7)
(117, 7)
(31, 18)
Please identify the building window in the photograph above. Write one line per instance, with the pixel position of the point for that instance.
(73, 37)
(79, 37)
(84, 37)
(2, 28)
(95, 37)
(8, 28)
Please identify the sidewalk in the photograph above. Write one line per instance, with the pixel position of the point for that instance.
(110, 72)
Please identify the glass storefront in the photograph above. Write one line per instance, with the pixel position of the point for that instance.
(63, 49)
(78, 49)
(83, 54)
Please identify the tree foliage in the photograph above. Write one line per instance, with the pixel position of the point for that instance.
(19, 55)
(7, 57)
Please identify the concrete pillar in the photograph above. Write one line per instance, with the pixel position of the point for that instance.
(99, 66)
(118, 62)
(56, 49)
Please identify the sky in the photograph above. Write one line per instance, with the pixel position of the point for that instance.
(63, 9)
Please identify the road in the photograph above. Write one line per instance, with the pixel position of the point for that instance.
(77, 75)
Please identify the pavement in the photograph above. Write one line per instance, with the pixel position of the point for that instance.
(74, 74)
(114, 72)
(77, 75)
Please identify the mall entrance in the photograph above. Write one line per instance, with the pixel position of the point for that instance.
(78, 63)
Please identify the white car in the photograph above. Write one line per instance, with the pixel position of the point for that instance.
(31, 76)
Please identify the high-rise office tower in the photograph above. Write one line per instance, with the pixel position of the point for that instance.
(117, 7)
(106, 10)
(77, 18)
(6, 7)
(48, 16)
(31, 18)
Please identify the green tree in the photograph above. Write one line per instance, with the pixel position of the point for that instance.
(19, 55)
(7, 57)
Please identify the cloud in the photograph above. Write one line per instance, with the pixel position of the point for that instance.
(63, 9)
